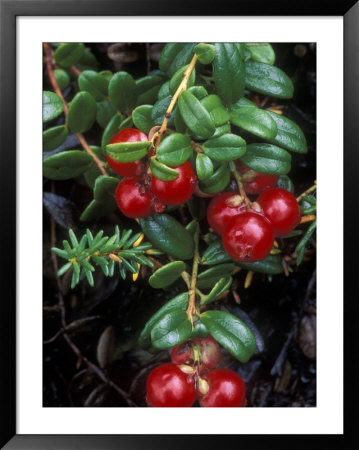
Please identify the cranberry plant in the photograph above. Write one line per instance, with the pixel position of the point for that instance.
(203, 169)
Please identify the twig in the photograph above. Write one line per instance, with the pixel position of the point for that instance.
(308, 191)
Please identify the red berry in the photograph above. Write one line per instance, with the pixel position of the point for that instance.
(255, 182)
(248, 237)
(177, 191)
(281, 209)
(210, 352)
(225, 389)
(168, 386)
(207, 349)
(132, 169)
(182, 354)
(134, 199)
(222, 208)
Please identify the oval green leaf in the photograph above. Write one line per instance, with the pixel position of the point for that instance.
(171, 330)
(82, 112)
(62, 78)
(215, 254)
(174, 56)
(227, 147)
(159, 110)
(216, 182)
(174, 150)
(161, 171)
(54, 137)
(213, 104)
(261, 52)
(66, 165)
(123, 91)
(271, 265)
(52, 106)
(267, 158)
(256, 121)
(205, 53)
(148, 88)
(104, 189)
(105, 112)
(233, 334)
(289, 135)
(93, 83)
(195, 116)
(168, 235)
(142, 119)
(112, 128)
(167, 274)
(128, 151)
(268, 80)
(221, 285)
(177, 78)
(69, 54)
(204, 166)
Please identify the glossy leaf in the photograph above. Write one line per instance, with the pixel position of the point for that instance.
(167, 274)
(159, 110)
(82, 112)
(105, 188)
(93, 171)
(69, 54)
(268, 80)
(261, 52)
(62, 78)
(289, 135)
(227, 147)
(123, 91)
(233, 334)
(195, 115)
(198, 91)
(148, 88)
(168, 235)
(228, 71)
(161, 171)
(177, 78)
(105, 112)
(93, 83)
(221, 130)
(54, 137)
(96, 209)
(174, 150)
(215, 254)
(213, 104)
(205, 53)
(128, 151)
(174, 56)
(52, 106)
(199, 330)
(126, 123)
(66, 165)
(204, 166)
(267, 158)
(216, 182)
(112, 128)
(164, 91)
(221, 286)
(256, 121)
(142, 119)
(176, 303)
(171, 330)
(271, 265)
(222, 270)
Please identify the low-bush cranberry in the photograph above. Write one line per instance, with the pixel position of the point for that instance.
(134, 199)
(209, 352)
(225, 389)
(255, 182)
(222, 208)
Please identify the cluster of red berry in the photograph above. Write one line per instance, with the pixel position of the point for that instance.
(193, 374)
(248, 228)
(141, 194)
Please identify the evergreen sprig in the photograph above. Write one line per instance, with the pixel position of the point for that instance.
(126, 249)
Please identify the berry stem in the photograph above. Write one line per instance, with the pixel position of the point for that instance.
(238, 179)
(80, 137)
(191, 310)
(308, 191)
(181, 87)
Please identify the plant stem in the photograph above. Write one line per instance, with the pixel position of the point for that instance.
(181, 87)
(80, 137)
(238, 179)
(191, 310)
(308, 191)
(308, 218)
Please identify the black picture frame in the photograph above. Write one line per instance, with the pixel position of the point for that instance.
(10, 9)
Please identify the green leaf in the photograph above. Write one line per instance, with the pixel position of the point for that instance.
(95, 210)
(216, 182)
(285, 182)
(222, 270)
(164, 91)
(167, 274)
(128, 151)
(213, 104)
(142, 118)
(126, 123)
(215, 254)
(205, 53)
(228, 71)
(82, 112)
(221, 285)
(62, 78)
(87, 60)
(195, 115)
(198, 91)
(233, 334)
(268, 80)
(105, 112)
(199, 330)
(204, 166)
(161, 171)
(305, 239)
(174, 56)
(69, 54)
(159, 110)
(171, 330)
(66, 165)
(176, 303)
(123, 91)
(261, 52)
(271, 265)
(243, 103)
(255, 121)
(112, 128)
(53, 137)
(267, 158)
(177, 78)
(148, 88)
(93, 83)
(105, 188)
(168, 235)
(52, 106)
(289, 135)
(221, 130)
(227, 147)
(174, 150)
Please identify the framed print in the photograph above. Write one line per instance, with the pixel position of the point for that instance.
(162, 255)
